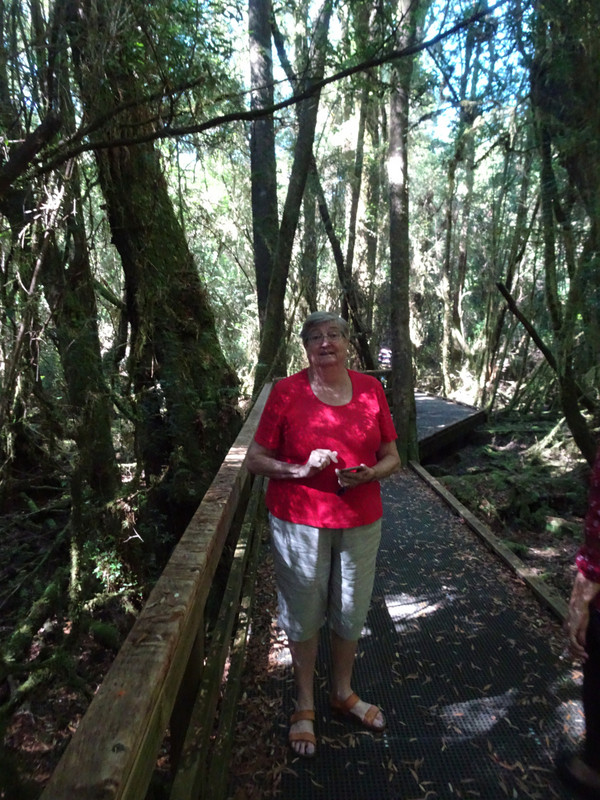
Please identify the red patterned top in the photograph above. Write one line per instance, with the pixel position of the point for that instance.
(295, 422)
(588, 557)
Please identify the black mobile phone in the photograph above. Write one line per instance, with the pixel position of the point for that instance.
(351, 469)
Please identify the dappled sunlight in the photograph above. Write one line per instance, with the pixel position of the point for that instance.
(477, 717)
(467, 389)
(546, 552)
(569, 718)
(236, 455)
(280, 655)
(568, 714)
(403, 608)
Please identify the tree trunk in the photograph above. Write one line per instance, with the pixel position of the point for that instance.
(455, 248)
(184, 390)
(403, 389)
(565, 97)
(373, 182)
(271, 357)
(347, 283)
(447, 279)
(263, 165)
(362, 329)
(350, 298)
(176, 358)
(495, 316)
(69, 289)
(308, 265)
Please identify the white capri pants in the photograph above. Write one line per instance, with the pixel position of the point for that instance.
(323, 574)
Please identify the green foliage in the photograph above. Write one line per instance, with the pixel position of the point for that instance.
(516, 547)
(515, 485)
(108, 568)
(41, 608)
(105, 634)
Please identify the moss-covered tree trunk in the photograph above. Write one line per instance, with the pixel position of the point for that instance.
(95, 479)
(184, 390)
(69, 290)
(61, 265)
(65, 273)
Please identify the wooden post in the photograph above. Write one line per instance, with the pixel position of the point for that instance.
(184, 703)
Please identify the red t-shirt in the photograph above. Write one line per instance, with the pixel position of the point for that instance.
(295, 422)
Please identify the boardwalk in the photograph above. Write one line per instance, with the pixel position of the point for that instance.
(465, 663)
(442, 422)
(460, 656)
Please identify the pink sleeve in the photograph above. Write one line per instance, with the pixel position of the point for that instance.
(588, 557)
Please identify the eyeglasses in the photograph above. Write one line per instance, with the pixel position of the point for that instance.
(319, 338)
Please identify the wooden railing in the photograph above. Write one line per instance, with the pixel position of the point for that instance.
(167, 675)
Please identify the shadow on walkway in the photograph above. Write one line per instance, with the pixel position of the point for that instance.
(463, 660)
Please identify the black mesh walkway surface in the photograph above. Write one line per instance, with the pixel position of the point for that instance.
(465, 664)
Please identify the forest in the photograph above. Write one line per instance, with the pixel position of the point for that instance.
(181, 183)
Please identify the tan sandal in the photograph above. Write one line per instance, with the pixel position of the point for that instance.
(344, 708)
(303, 736)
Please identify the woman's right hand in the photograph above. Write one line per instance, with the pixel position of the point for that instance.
(262, 461)
(318, 460)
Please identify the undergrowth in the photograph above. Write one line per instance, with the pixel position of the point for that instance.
(525, 478)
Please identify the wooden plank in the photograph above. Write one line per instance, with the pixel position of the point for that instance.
(546, 594)
(186, 696)
(216, 785)
(188, 689)
(188, 779)
(113, 752)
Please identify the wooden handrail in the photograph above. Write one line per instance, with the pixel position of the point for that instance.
(114, 749)
(202, 768)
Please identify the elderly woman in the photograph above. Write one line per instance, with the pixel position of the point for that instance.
(325, 440)
(582, 771)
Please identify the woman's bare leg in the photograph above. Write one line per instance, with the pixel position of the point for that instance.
(343, 652)
(304, 656)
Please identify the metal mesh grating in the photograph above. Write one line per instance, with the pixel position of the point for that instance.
(463, 662)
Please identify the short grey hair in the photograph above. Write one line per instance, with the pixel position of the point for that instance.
(318, 318)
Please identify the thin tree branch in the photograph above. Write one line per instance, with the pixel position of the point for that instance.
(166, 131)
(585, 400)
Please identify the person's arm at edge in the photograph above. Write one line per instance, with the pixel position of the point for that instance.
(583, 593)
(587, 581)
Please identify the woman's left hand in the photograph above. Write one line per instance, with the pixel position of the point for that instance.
(388, 462)
(358, 475)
